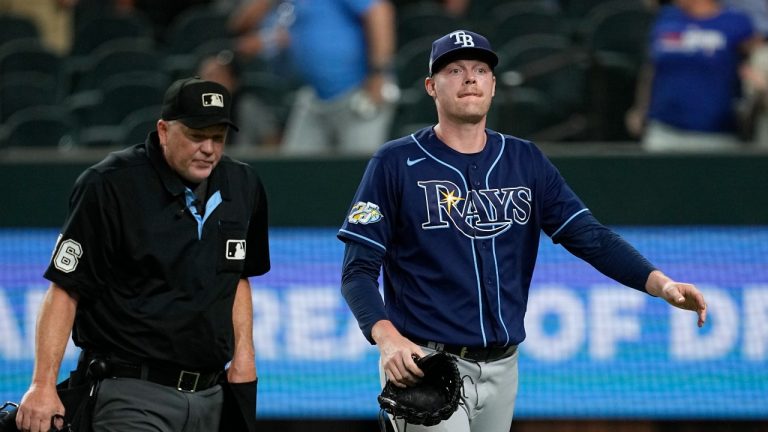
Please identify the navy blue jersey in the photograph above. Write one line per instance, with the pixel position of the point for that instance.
(460, 233)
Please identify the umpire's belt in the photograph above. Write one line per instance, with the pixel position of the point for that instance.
(182, 380)
(488, 354)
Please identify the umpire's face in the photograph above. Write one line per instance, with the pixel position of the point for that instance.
(192, 153)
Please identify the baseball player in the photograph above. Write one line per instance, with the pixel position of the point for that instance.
(453, 214)
(150, 274)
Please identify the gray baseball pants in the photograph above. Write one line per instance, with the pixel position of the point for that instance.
(487, 401)
(133, 405)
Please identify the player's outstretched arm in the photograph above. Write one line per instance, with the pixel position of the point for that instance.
(397, 354)
(678, 294)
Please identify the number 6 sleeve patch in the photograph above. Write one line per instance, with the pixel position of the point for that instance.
(67, 256)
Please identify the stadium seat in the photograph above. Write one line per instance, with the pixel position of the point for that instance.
(23, 90)
(14, 27)
(95, 32)
(118, 96)
(114, 59)
(28, 55)
(611, 88)
(549, 63)
(194, 27)
(137, 125)
(127, 93)
(618, 26)
(424, 19)
(578, 9)
(515, 19)
(412, 62)
(524, 112)
(186, 64)
(415, 110)
(98, 136)
(41, 126)
(197, 30)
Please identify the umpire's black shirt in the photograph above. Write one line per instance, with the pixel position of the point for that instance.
(155, 280)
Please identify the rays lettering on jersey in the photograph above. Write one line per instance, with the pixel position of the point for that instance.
(482, 213)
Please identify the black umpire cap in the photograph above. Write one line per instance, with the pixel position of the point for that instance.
(198, 103)
(461, 44)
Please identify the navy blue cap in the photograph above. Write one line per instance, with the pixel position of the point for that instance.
(461, 45)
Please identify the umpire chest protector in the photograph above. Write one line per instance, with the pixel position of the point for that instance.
(156, 277)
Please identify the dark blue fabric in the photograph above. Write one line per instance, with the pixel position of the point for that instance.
(360, 287)
(606, 251)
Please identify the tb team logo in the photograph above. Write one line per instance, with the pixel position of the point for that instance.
(462, 38)
(483, 213)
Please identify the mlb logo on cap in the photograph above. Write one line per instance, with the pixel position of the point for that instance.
(461, 45)
(213, 99)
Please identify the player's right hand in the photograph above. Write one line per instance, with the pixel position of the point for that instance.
(397, 355)
(38, 405)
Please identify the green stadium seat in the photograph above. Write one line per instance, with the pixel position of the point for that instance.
(618, 26)
(41, 126)
(611, 88)
(549, 63)
(118, 59)
(23, 90)
(524, 112)
(194, 27)
(94, 33)
(415, 110)
(14, 27)
(137, 125)
(412, 62)
(424, 19)
(28, 55)
(512, 20)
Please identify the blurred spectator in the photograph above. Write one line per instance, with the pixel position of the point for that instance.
(53, 21)
(687, 94)
(754, 108)
(258, 125)
(343, 51)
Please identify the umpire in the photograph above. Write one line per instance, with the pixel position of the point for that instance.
(150, 273)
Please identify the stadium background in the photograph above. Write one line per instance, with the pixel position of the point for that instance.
(600, 357)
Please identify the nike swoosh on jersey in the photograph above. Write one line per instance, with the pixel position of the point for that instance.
(410, 162)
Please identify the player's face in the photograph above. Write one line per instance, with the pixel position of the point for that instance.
(192, 153)
(463, 91)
